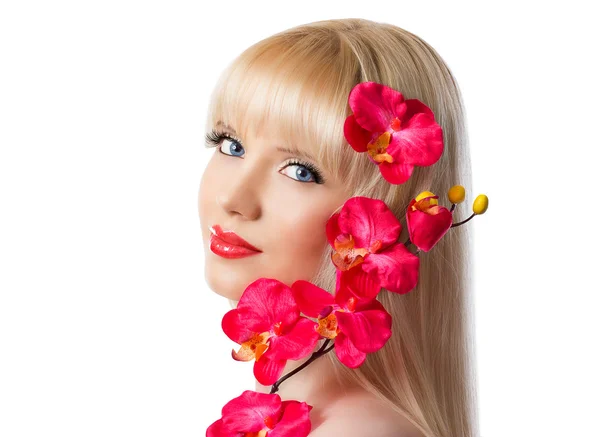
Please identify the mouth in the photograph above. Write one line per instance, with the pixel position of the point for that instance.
(230, 245)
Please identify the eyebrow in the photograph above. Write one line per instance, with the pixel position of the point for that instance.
(293, 150)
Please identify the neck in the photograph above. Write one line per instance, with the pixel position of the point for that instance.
(315, 384)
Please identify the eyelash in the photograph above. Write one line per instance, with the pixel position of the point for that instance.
(214, 138)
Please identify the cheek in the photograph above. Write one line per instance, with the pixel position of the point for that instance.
(304, 238)
(206, 197)
(307, 233)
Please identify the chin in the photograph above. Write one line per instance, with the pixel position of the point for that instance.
(226, 284)
(223, 275)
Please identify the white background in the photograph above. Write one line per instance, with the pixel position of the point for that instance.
(106, 324)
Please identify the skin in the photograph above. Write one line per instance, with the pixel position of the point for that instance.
(260, 199)
(270, 208)
(338, 409)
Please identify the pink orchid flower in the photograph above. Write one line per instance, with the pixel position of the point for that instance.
(358, 324)
(398, 134)
(364, 236)
(256, 414)
(268, 326)
(427, 222)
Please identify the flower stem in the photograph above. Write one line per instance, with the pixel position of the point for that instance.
(464, 221)
(322, 351)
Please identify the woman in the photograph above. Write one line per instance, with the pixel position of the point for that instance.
(283, 167)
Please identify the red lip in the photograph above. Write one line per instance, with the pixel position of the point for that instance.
(231, 238)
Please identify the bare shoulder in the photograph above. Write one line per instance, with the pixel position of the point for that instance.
(361, 414)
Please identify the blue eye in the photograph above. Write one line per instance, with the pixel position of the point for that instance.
(303, 172)
(229, 145)
(233, 148)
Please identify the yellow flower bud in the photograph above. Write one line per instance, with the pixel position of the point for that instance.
(480, 205)
(423, 195)
(456, 194)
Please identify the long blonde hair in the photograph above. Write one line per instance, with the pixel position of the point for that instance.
(299, 80)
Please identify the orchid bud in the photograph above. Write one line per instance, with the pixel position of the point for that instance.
(480, 205)
(425, 194)
(456, 194)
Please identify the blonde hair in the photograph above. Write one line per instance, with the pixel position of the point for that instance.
(299, 80)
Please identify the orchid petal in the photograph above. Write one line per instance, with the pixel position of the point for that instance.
(347, 352)
(419, 142)
(332, 228)
(266, 302)
(295, 421)
(368, 330)
(355, 283)
(425, 229)
(396, 268)
(266, 370)
(415, 106)
(338, 279)
(369, 221)
(246, 413)
(298, 343)
(396, 173)
(215, 429)
(236, 328)
(375, 105)
(310, 298)
(357, 137)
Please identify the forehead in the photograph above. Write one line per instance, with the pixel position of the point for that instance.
(295, 108)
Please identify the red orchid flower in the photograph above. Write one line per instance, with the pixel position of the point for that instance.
(358, 324)
(268, 326)
(397, 134)
(427, 222)
(256, 414)
(364, 236)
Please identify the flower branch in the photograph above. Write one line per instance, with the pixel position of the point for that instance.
(274, 323)
(322, 351)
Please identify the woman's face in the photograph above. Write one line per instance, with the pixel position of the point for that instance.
(272, 200)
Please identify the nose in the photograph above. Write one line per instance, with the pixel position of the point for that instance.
(239, 195)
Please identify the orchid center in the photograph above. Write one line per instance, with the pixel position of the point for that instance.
(378, 149)
(424, 194)
(269, 422)
(328, 326)
(375, 246)
(253, 348)
(278, 328)
(395, 124)
(425, 201)
(346, 255)
(351, 304)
